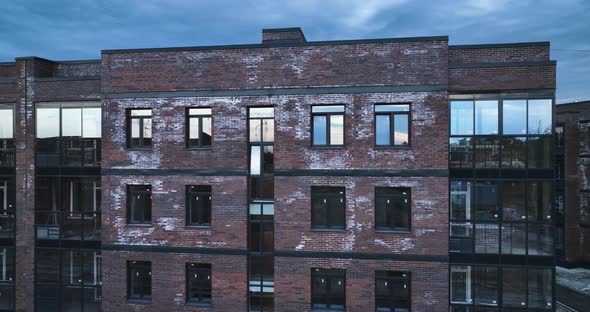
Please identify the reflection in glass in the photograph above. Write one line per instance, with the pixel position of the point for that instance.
(539, 287)
(6, 123)
(485, 285)
(514, 152)
(487, 153)
(540, 151)
(539, 201)
(486, 201)
(336, 129)
(514, 116)
(72, 122)
(193, 128)
(486, 117)
(268, 130)
(47, 122)
(540, 116)
(255, 160)
(207, 131)
(382, 129)
(460, 153)
(514, 287)
(401, 130)
(461, 117)
(319, 130)
(514, 238)
(91, 121)
(514, 196)
(255, 130)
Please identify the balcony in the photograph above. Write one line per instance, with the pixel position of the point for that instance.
(68, 152)
(65, 225)
(7, 153)
(7, 225)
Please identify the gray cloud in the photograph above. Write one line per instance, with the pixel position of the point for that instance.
(68, 29)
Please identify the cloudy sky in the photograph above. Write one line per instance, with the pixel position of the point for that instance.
(79, 29)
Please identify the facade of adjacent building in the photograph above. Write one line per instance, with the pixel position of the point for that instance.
(400, 174)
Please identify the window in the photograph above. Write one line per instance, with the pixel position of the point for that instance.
(514, 117)
(392, 208)
(328, 125)
(6, 122)
(540, 151)
(392, 291)
(139, 280)
(392, 125)
(139, 204)
(328, 290)
(261, 284)
(139, 128)
(539, 116)
(460, 153)
(198, 283)
(486, 117)
(461, 117)
(261, 227)
(198, 205)
(327, 207)
(514, 152)
(474, 285)
(261, 138)
(199, 128)
(514, 287)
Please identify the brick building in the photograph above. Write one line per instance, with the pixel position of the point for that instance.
(360, 175)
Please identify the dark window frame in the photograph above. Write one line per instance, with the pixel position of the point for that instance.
(143, 144)
(329, 193)
(327, 125)
(204, 292)
(147, 220)
(200, 118)
(201, 210)
(328, 275)
(380, 192)
(406, 277)
(392, 115)
(139, 267)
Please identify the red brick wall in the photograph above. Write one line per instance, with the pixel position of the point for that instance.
(502, 78)
(533, 52)
(228, 282)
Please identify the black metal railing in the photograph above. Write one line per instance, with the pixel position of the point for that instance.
(65, 225)
(7, 153)
(68, 151)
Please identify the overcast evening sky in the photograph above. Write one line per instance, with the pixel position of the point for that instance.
(79, 29)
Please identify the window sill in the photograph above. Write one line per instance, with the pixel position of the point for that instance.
(195, 226)
(139, 301)
(392, 147)
(198, 304)
(328, 147)
(329, 230)
(139, 149)
(139, 225)
(196, 149)
(388, 231)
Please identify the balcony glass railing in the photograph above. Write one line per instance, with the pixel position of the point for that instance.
(68, 151)
(65, 225)
(6, 224)
(7, 153)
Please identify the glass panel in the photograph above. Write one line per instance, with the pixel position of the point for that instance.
(540, 292)
(207, 131)
(514, 116)
(268, 130)
(514, 287)
(141, 112)
(539, 201)
(47, 122)
(327, 109)
(255, 232)
(461, 153)
(514, 238)
(540, 151)
(268, 159)
(540, 239)
(460, 200)
(260, 112)
(147, 128)
(513, 200)
(6, 123)
(318, 209)
(487, 238)
(199, 111)
(485, 285)
(486, 201)
(487, 153)
(540, 116)
(461, 117)
(255, 130)
(392, 108)
(135, 128)
(401, 130)
(71, 122)
(514, 153)
(336, 130)
(319, 130)
(486, 117)
(382, 129)
(255, 160)
(193, 130)
(91, 123)
(460, 284)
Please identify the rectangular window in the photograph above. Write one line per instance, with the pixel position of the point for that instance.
(139, 127)
(198, 205)
(485, 206)
(539, 288)
(540, 152)
(393, 208)
(514, 289)
(474, 285)
(328, 125)
(392, 125)
(198, 283)
(461, 117)
(139, 280)
(327, 207)
(487, 152)
(513, 201)
(6, 122)
(539, 116)
(392, 291)
(199, 127)
(139, 204)
(460, 152)
(486, 117)
(514, 117)
(514, 152)
(328, 290)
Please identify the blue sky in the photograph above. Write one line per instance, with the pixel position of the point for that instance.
(79, 29)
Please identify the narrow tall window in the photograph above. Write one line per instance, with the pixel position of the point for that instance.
(392, 291)
(6, 122)
(328, 125)
(392, 125)
(198, 283)
(328, 290)
(392, 208)
(198, 205)
(139, 280)
(327, 208)
(139, 204)
(139, 127)
(199, 127)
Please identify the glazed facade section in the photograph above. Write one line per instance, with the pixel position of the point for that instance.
(282, 176)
